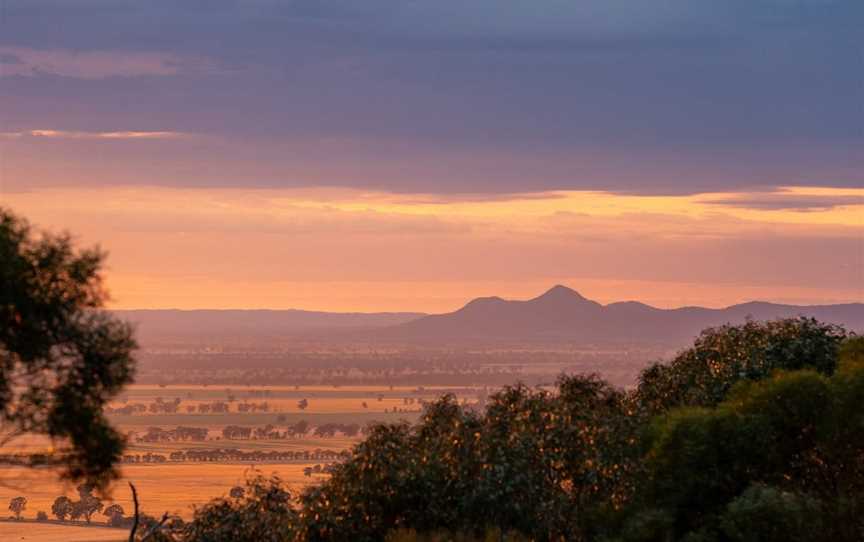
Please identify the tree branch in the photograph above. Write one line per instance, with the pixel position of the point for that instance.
(135, 520)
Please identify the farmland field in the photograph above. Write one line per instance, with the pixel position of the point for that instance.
(49, 532)
(178, 486)
(174, 488)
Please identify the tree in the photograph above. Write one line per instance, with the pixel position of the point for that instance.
(62, 358)
(722, 356)
(115, 514)
(302, 404)
(774, 433)
(88, 504)
(299, 428)
(62, 507)
(17, 506)
(766, 514)
(787, 444)
(263, 514)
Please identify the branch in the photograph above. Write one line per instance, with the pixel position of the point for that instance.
(134, 521)
(155, 528)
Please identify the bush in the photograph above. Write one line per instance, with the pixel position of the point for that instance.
(767, 514)
(41, 516)
(264, 513)
(703, 374)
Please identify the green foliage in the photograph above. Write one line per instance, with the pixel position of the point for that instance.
(720, 357)
(752, 426)
(851, 353)
(61, 359)
(537, 463)
(264, 513)
(798, 432)
(767, 514)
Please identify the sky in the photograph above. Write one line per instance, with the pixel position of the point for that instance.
(410, 155)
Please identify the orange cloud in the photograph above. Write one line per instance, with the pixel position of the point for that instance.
(341, 249)
(72, 134)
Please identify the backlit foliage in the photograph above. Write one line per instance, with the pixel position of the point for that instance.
(61, 358)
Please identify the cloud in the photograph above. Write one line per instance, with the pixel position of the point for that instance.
(781, 201)
(26, 62)
(450, 96)
(299, 236)
(71, 134)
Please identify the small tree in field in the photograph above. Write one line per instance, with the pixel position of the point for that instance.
(302, 404)
(17, 506)
(62, 507)
(88, 505)
(115, 514)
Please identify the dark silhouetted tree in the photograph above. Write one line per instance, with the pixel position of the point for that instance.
(17, 506)
(87, 505)
(61, 358)
(115, 514)
(62, 508)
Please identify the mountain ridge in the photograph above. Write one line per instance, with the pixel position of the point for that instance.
(558, 315)
(562, 314)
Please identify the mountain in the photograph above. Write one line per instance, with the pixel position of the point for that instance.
(249, 327)
(562, 315)
(559, 316)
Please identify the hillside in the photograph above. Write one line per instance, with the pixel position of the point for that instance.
(559, 316)
(562, 315)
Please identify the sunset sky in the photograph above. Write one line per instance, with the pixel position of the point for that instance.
(410, 155)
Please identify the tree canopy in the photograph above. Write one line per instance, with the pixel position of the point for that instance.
(61, 357)
(750, 434)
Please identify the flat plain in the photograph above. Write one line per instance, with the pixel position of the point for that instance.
(178, 487)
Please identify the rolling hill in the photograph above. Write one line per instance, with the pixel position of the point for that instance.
(559, 316)
(562, 315)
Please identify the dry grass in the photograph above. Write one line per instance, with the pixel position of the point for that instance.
(47, 532)
(178, 487)
(174, 488)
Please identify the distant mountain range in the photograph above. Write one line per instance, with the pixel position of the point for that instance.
(559, 316)
(562, 315)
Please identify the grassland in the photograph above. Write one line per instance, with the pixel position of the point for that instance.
(175, 488)
(48, 532)
(179, 487)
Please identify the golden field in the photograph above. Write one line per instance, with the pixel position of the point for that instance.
(174, 488)
(48, 532)
(178, 487)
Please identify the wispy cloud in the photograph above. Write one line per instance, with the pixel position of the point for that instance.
(788, 201)
(367, 242)
(20, 61)
(74, 134)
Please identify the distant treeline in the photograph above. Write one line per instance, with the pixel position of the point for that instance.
(297, 429)
(222, 455)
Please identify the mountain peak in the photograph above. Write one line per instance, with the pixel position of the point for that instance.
(560, 291)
